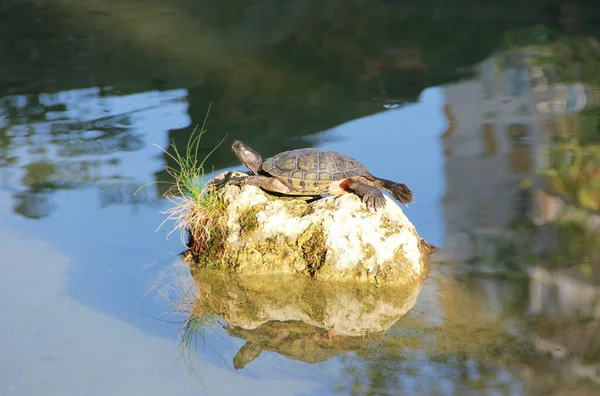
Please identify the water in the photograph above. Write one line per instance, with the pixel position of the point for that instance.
(88, 90)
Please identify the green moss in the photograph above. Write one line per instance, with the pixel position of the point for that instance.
(273, 249)
(206, 229)
(330, 204)
(308, 209)
(388, 227)
(271, 243)
(314, 249)
(399, 255)
(248, 220)
(298, 207)
(369, 251)
(211, 256)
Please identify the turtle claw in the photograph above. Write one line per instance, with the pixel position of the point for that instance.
(219, 183)
(380, 202)
(374, 202)
(216, 184)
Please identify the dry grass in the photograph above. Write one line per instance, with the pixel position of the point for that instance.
(203, 217)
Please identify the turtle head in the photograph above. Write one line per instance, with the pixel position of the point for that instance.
(247, 156)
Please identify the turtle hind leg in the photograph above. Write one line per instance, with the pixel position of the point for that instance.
(398, 190)
(366, 191)
(265, 182)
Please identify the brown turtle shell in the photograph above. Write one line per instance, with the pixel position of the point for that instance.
(312, 170)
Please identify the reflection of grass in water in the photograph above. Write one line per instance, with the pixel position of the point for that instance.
(195, 307)
(198, 318)
(195, 209)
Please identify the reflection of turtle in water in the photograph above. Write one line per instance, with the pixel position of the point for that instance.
(313, 171)
(296, 340)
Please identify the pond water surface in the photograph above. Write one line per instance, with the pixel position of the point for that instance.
(489, 115)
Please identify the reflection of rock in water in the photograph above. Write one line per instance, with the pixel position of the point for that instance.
(296, 340)
(302, 319)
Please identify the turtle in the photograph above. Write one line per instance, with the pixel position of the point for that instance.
(313, 172)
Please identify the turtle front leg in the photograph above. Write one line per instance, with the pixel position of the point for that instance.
(265, 182)
(369, 194)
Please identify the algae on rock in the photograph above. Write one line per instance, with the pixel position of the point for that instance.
(333, 238)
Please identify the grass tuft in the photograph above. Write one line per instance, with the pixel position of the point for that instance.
(197, 209)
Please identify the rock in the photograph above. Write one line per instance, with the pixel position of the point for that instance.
(334, 238)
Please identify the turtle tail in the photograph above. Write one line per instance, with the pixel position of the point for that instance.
(398, 190)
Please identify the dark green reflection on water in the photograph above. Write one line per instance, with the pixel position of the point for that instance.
(276, 72)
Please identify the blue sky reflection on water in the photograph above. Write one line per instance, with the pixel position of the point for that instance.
(64, 346)
(86, 302)
(403, 145)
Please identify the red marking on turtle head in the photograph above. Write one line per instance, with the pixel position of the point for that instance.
(345, 185)
(339, 187)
